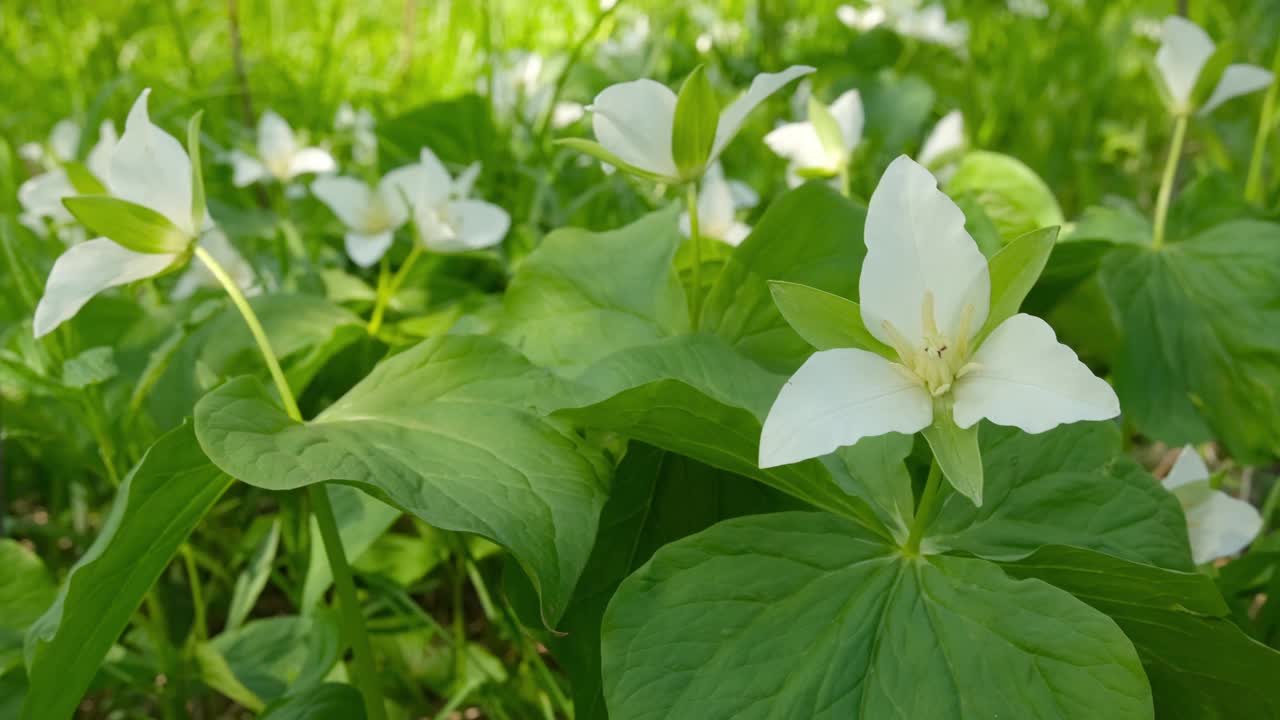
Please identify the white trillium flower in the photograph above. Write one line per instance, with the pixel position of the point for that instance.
(1185, 48)
(447, 219)
(718, 203)
(279, 155)
(360, 124)
(944, 142)
(150, 168)
(925, 291)
(809, 151)
(635, 120)
(907, 18)
(372, 214)
(41, 196)
(1218, 524)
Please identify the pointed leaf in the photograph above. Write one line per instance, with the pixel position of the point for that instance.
(130, 225)
(1014, 271)
(597, 151)
(694, 130)
(825, 320)
(197, 171)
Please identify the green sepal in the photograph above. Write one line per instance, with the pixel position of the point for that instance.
(693, 131)
(131, 225)
(82, 180)
(956, 451)
(1014, 271)
(824, 123)
(597, 151)
(825, 320)
(197, 173)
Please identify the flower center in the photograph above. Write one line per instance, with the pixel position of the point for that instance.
(939, 361)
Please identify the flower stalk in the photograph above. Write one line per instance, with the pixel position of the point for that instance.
(1166, 182)
(695, 237)
(387, 290)
(924, 511)
(1253, 186)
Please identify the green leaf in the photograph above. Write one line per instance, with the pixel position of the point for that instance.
(598, 152)
(956, 451)
(1069, 486)
(197, 171)
(449, 431)
(824, 320)
(1201, 356)
(810, 236)
(581, 295)
(658, 497)
(1199, 663)
(875, 470)
(136, 227)
(807, 615)
(1012, 194)
(362, 519)
(251, 581)
(82, 180)
(1014, 271)
(156, 507)
(829, 133)
(329, 700)
(272, 657)
(26, 591)
(693, 130)
(91, 367)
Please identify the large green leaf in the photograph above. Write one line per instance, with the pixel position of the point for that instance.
(448, 431)
(697, 396)
(26, 591)
(657, 497)
(1069, 486)
(1199, 663)
(581, 295)
(811, 236)
(156, 508)
(263, 660)
(329, 700)
(1201, 355)
(1015, 198)
(806, 615)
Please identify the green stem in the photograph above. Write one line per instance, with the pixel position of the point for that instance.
(691, 199)
(1253, 186)
(353, 620)
(388, 290)
(158, 628)
(1166, 182)
(924, 511)
(574, 56)
(844, 179)
(200, 624)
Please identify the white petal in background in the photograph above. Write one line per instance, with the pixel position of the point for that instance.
(87, 269)
(732, 117)
(367, 250)
(837, 398)
(916, 242)
(41, 197)
(245, 169)
(1189, 468)
(945, 137)
(633, 120)
(1237, 80)
(276, 144)
(198, 276)
(1218, 525)
(64, 140)
(99, 159)
(311, 160)
(474, 225)
(1027, 379)
(1184, 49)
(848, 114)
(799, 143)
(347, 197)
(151, 168)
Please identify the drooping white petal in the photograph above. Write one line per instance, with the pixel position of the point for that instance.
(736, 234)
(366, 250)
(1188, 469)
(466, 180)
(64, 139)
(245, 169)
(276, 144)
(837, 398)
(1026, 378)
(633, 120)
(347, 197)
(311, 160)
(1221, 526)
(916, 243)
(41, 196)
(744, 196)
(732, 117)
(87, 269)
(848, 114)
(945, 137)
(799, 143)
(715, 204)
(1184, 49)
(151, 168)
(473, 225)
(424, 183)
(1237, 80)
(99, 160)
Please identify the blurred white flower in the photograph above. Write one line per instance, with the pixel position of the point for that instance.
(1038, 9)
(448, 220)
(371, 214)
(925, 292)
(906, 17)
(1218, 524)
(943, 145)
(1185, 48)
(279, 155)
(718, 203)
(198, 275)
(360, 124)
(41, 196)
(820, 146)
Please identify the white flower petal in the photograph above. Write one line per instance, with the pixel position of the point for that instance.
(1027, 379)
(848, 114)
(1184, 49)
(744, 196)
(837, 398)
(424, 183)
(633, 120)
(197, 276)
(475, 225)
(565, 114)
(311, 160)
(1189, 468)
(150, 168)
(87, 269)
(366, 250)
(945, 137)
(1237, 80)
(245, 169)
(916, 243)
(764, 85)
(64, 139)
(99, 160)
(799, 143)
(736, 234)
(715, 205)
(347, 197)
(466, 180)
(276, 144)
(1221, 526)
(41, 196)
